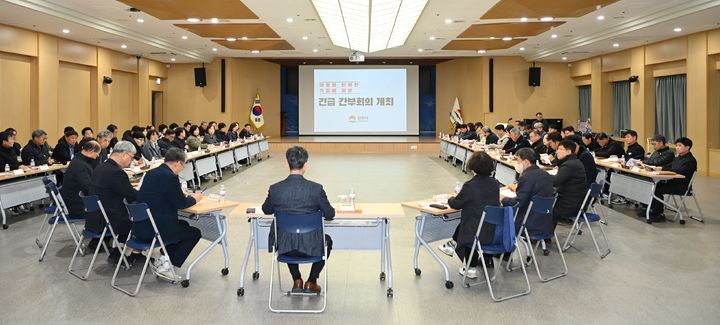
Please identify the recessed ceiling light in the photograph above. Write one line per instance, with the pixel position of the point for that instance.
(410, 62)
(214, 20)
(507, 38)
(553, 35)
(172, 59)
(546, 19)
(305, 38)
(492, 37)
(677, 29)
(184, 37)
(66, 31)
(448, 21)
(616, 45)
(231, 39)
(601, 17)
(214, 49)
(140, 20)
(123, 46)
(481, 51)
(289, 20)
(523, 19)
(244, 38)
(193, 20)
(315, 50)
(522, 49)
(420, 50)
(564, 58)
(432, 38)
(254, 51)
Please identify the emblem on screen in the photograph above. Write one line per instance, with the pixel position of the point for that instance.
(356, 118)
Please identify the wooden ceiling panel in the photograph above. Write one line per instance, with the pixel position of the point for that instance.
(262, 45)
(474, 45)
(259, 30)
(183, 9)
(543, 8)
(508, 29)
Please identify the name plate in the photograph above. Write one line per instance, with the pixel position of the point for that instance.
(18, 172)
(44, 167)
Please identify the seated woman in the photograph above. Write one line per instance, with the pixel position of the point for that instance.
(193, 141)
(477, 193)
(210, 137)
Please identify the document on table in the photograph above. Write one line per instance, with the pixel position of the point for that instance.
(507, 193)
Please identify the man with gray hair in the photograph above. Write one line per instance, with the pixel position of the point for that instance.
(37, 150)
(540, 128)
(515, 142)
(103, 139)
(112, 185)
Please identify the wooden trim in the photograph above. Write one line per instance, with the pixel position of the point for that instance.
(669, 72)
(583, 82)
(717, 65)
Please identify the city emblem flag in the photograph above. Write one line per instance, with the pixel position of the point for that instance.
(456, 113)
(256, 113)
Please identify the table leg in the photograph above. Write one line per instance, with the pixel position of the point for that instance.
(251, 242)
(418, 236)
(204, 253)
(389, 257)
(382, 249)
(661, 200)
(4, 217)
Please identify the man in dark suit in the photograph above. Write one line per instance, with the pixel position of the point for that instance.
(684, 164)
(103, 139)
(533, 181)
(8, 156)
(516, 142)
(490, 137)
(162, 192)
(608, 147)
(65, 149)
(246, 131)
(166, 142)
(568, 133)
(570, 182)
(539, 119)
(662, 156)
(78, 178)
(112, 185)
(536, 142)
(37, 151)
(634, 150)
(296, 195)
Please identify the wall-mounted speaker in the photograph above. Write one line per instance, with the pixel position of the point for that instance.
(534, 78)
(107, 80)
(634, 79)
(200, 80)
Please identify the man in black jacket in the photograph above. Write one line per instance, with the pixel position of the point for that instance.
(246, 132)
(536, 139)
(570, 182)
(470, 134)
(179, 141)
(490, 137)
(112, 185)
(165, 142)
(78, 178)
(683, 164)
(16, 146)
(589, 142)
(8, 156)
(297, 195)
(568, 133)
(65, 149)
(662, 156)
(533, 182)
(608, 147)
(588, 162)
(37, 150)
(516, 142)
(634, 150)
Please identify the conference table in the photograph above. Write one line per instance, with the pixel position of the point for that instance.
(365, 228)
(20, 187)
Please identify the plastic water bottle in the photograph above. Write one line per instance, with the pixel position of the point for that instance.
(32, 163)
(223, 192)
(183, 186)
(458, 187)
(351, 196)
(7, 168)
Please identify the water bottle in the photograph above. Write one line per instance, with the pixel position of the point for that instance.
(222, 192)
(32, 163)
(351, 196)
(183, 186)
(7, 168)
(458, 187)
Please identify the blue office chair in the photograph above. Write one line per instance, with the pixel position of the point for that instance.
(689, 192)
(140, 213)
(93, 205)
(297, 224)
(504, 241)
(588, 215)
(48, 212)
(542, 206)
(60, 216)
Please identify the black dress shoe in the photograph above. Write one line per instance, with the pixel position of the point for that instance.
(658, 218)
(136, 259)
(114, 256)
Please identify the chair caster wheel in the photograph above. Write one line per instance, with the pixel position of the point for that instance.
(610, 206)
(256, 275)
(5, 226)
(224, 271)
(389, 293)
(382, 276)
(185, 283)
(649, 222)
(241, 292)
(417, 271)
(449, 284)
(579, 232)
(215, 180)
(682, 222)
(546, 252)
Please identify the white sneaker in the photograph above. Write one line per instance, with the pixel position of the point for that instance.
(162, 269)
(471, 273)
(448, 248)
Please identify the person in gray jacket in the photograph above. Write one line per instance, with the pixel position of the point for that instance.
(210, 137)
(662, 156)
(151, 149)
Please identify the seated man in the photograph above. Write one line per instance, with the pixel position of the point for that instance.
(589, 142)
(608, 147)
(112, 185)
(470, 134)
(536, 142)
(540, 127)
(570, 182)
(166, 142)
(516, 142)
(138, 138)
(162, 192)
(533, 182)
(539, 119)
(103, 139)
(662, 156)
(502, 136)
(683, 164)
(87, 132)
(78, 177)
(65, 149)
(297, 195)
(37, 151)
(568, 133)
(179, 141)
(552, 128)
(490, 137)
(13, 135)
(8, 156)
(634, 150)
(553, 141)
(246, 131)
(588, 162)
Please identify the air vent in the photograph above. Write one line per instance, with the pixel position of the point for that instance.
(310, 19)
(133, 9)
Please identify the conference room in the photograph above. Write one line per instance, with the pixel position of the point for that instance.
(325, 162)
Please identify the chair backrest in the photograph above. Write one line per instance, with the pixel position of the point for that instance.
(595, 190)
(690, 184)
(53, 192)
(138, 212)
(90, 202)
(542, 204)
(504, 224)
(298, 223)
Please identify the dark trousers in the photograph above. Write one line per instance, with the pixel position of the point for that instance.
(316, 267)
(179, 252)
(661, 189)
